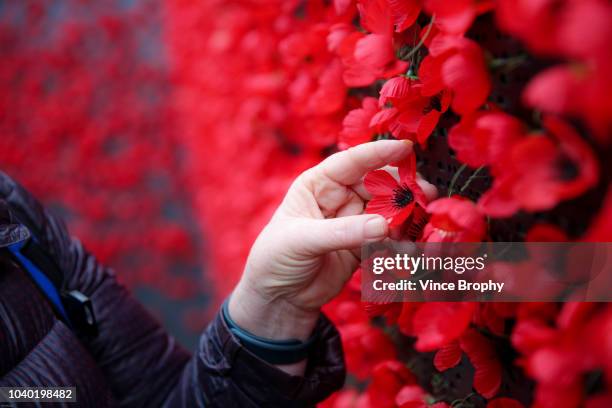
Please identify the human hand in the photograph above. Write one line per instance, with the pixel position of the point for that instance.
(311, 246)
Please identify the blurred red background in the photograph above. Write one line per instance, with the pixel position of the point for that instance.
(165, 132)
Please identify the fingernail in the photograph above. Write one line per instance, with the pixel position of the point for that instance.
(375, 228)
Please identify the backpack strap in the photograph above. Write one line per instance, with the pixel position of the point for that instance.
(44, 282)
(72, 307)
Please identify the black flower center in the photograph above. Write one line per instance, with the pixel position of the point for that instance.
(567, 169)
(434, 103)
(402, 196)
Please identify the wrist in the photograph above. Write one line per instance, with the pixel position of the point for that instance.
(270, 318)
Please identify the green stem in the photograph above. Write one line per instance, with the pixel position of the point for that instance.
(508, 64)
(455, 178)
(422, 41)
(472, 177)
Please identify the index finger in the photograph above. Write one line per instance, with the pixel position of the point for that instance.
(349, 166)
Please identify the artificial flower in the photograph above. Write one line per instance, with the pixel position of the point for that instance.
(541, 171)
(436, 324)
(413, 116)
(481, 353)
(358, 125)
(454, 219)
(395, 200)
(455, 17)
(458, 64)
(413, 396)
(388, 378)
(577, 89)
(368, 57)
(484, 138)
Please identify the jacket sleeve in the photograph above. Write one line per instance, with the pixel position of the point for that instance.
(144, 366)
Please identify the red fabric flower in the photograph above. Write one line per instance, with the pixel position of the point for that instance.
(438, 323)
(414, 115)
(395, 200)
(458, 64)
(585, 31)
(454, 219)
(448, 356)
(579, 90)
(404, 12)
(356, 128)
(388, 378)
(542, 171)
(535, 22)
(456, 16)
(413, 396)
(484, 138)
(368, 57)
(364, 347)
(481, 353)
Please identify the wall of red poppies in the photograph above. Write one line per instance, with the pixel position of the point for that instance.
(233, 99)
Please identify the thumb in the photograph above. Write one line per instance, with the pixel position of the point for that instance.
(323, 236)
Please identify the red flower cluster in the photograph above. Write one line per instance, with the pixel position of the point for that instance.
(579, 32)
(86, 125)
(271, 88)
(336, 74)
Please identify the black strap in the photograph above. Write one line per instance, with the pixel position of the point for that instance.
(73, 307)
(34, 252)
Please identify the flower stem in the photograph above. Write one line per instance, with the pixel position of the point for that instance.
(422, 41)
(508, 64)
(454, 179)
(472, 177)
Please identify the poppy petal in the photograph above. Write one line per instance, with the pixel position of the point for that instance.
(382, 205)
(407, 169)
(448, 356)
(380, 183)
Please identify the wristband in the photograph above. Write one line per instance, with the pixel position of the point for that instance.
(272, 351)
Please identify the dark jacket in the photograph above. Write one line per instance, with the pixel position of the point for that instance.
(132, 361)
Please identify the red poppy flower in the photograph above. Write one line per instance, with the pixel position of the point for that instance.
(363, 124)
(364, 347)
(345, 398)
(368, 57)
(454, 219)
(535, 22)
(541, 171)
(439, 323)
(545, 233)
(404, 12)
(413, 396)
(395, 200)
(458, 64)
(388, 378)
(585, 31)
(414, 115)
(356, 124)
(448, 356)
(456, 16)
(579, 90)
(481, 353)
(484, 138)
(342, 6)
